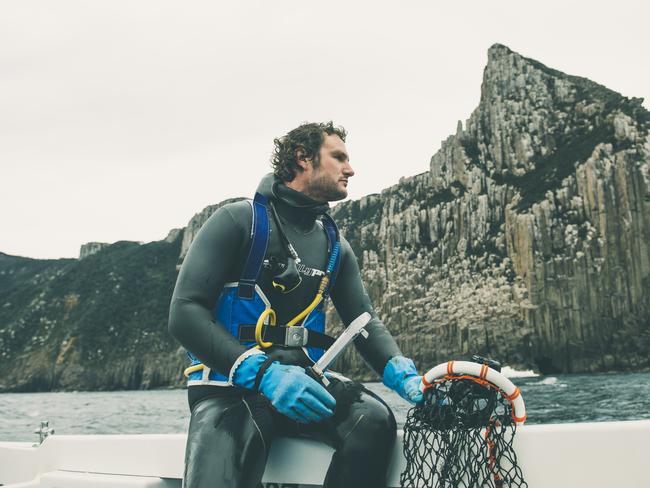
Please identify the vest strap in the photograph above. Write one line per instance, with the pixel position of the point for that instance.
(281, 335)
(260, 232)
(332, 238)
(259, 241)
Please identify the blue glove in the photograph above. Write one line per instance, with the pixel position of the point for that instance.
(401, 376)
(289, 389)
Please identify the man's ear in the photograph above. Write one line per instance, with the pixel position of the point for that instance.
(301, 159)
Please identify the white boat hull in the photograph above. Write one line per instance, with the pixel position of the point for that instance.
(590, 455)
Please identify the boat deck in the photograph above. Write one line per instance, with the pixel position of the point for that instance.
(592, 455)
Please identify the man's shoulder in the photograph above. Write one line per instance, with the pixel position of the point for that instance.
(346, 248)
(344, 242)
(240, 211)
(227, 217)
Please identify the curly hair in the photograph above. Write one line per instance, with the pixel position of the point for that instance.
(307, 137)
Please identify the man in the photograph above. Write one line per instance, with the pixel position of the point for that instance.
(275, 261)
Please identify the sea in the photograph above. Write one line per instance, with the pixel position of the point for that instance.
(549, 399)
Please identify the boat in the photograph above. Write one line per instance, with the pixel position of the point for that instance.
(594, 455)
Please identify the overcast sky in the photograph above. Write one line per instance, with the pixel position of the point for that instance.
(120, 120)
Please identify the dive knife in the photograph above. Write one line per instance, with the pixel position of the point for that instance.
(355, 328)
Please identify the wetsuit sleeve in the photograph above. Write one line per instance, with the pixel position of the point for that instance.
(206, 267)
(351, 300)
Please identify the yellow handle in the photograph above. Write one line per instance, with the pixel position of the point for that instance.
(260, 323)
(191, 369)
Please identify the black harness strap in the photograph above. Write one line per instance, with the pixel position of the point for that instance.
(277, 334)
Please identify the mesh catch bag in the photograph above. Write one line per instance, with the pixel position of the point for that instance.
(462, 435)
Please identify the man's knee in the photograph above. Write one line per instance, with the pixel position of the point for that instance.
(376, 420)
(365, 442)
(370, 425)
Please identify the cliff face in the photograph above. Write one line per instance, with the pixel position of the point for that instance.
(528, 239)
(91, 248)
(98, 323)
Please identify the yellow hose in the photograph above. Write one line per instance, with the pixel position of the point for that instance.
(306, 311)
(313, 304)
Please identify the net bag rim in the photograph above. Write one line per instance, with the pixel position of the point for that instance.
(480, 373)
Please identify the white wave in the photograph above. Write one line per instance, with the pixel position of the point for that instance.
(509, 372)
(551, 380)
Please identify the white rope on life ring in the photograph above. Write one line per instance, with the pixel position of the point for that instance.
(482, 372)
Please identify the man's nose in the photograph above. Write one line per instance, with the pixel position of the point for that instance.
(348, 171)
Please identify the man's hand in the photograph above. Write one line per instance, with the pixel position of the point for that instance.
(401, 376)
(289, 389)
(295, 394)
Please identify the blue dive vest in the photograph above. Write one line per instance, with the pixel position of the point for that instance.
(242, 303)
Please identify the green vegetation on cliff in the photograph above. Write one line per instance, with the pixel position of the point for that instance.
(95, 323)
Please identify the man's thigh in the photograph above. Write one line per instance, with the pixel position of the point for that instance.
(360, 415)
(227, 442)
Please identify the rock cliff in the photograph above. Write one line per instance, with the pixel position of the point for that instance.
(98, 323)
(528, 239)
(91, 248)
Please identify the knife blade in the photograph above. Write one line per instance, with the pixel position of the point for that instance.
(355, 328)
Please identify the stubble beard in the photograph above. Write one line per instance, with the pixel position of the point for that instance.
(325, 190)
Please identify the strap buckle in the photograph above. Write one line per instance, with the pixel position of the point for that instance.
(296, 336)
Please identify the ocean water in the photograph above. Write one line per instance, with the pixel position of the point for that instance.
(549, 399)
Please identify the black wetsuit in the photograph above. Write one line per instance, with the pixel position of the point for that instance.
(232, 428)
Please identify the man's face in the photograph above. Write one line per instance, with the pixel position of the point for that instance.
(328, 182)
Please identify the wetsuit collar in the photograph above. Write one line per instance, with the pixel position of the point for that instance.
(292, 206)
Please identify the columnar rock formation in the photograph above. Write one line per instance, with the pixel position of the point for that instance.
(528, 239)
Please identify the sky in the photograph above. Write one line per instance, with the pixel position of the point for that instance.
(120, 120)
